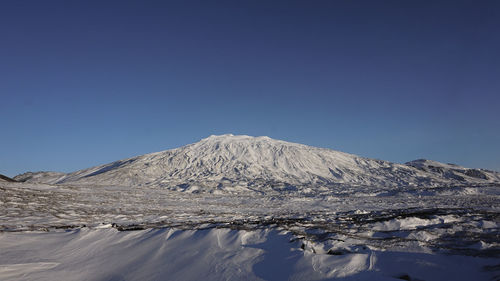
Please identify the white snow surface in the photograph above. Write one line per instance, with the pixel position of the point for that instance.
(211, 254)
(66, 232)
(229, 163)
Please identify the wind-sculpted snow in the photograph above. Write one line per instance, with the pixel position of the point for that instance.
(260, 164)
(215, 254)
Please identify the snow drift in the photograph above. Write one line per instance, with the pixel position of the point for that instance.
(213, 254)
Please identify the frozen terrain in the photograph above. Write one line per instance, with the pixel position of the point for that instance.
(245, 208)
(216, 254)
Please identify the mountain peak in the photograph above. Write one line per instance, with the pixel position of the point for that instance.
(231, 137)
(235, 163)
(230, 141)
(219, 136)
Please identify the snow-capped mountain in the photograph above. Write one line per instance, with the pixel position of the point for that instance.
(234, 163)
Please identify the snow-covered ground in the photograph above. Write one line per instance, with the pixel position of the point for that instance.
(287, 211)
(216, 254)
(55, 232)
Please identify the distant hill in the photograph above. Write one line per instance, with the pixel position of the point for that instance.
(39, 177)
(5, 178)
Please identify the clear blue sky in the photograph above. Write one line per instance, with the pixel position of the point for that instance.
(84, 83)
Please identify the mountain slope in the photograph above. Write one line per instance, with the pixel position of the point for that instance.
(454, 172)
(43, 177)
(234, 163)
(5, 178)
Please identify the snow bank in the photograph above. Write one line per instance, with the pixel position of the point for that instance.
(211, 254)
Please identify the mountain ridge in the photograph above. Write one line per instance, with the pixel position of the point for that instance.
(6, 178)
(235, 163)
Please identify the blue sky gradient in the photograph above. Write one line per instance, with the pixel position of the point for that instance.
(84, 83)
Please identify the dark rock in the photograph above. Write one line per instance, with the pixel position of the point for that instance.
(404, 277)
(476, 174)
(5, 178)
